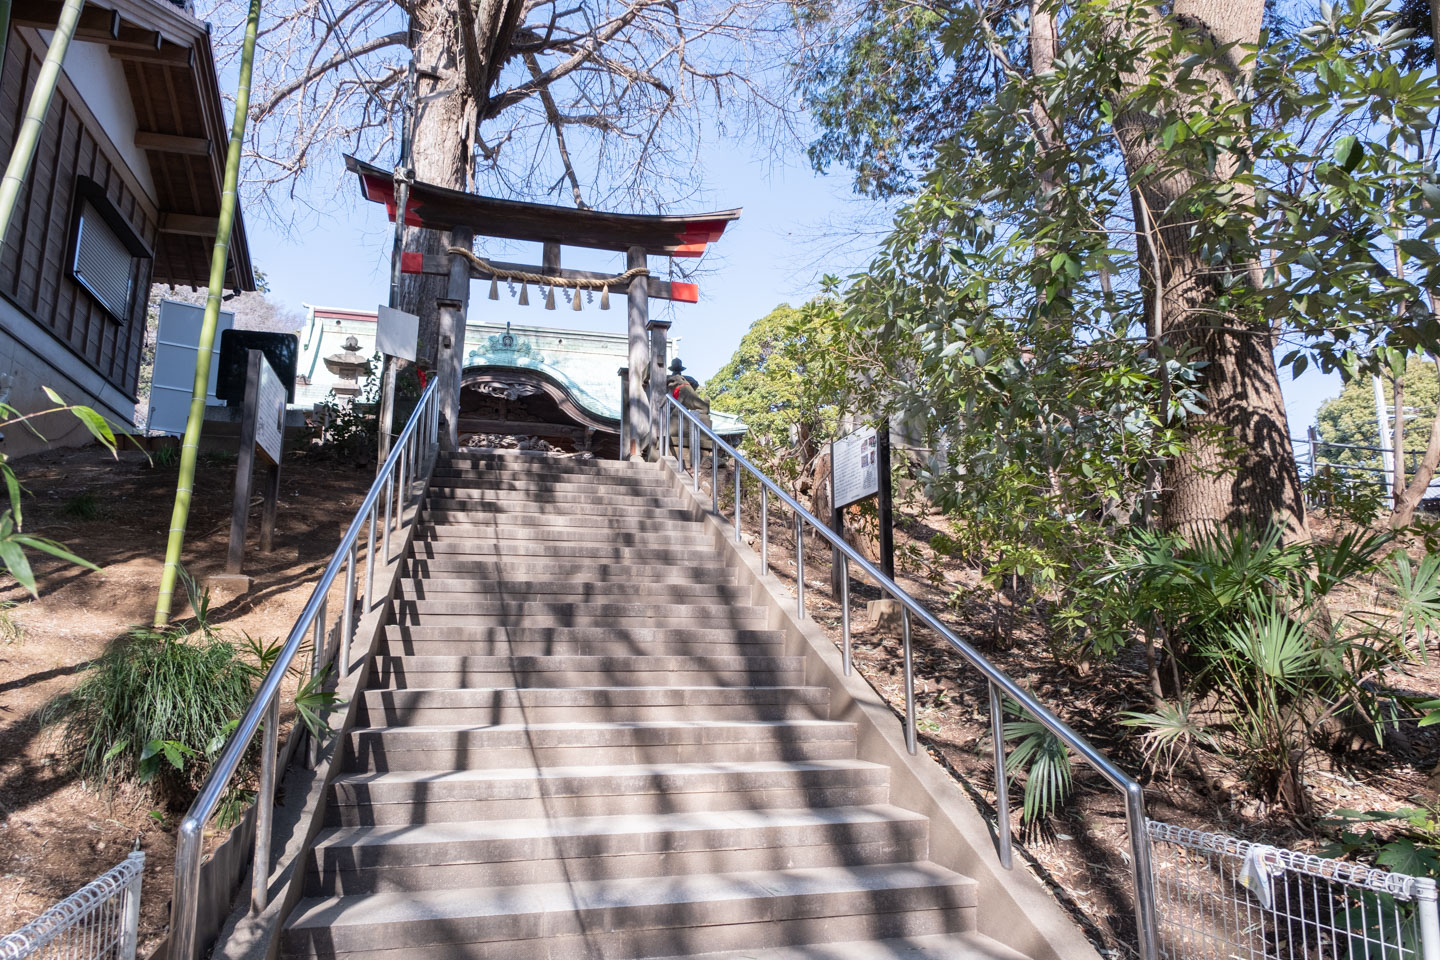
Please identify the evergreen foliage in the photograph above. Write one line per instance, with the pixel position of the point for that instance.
(1350, 417)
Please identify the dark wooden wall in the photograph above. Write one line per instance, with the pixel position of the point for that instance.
(34, 267)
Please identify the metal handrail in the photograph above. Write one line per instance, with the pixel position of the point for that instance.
(999, 683)
(413, 448)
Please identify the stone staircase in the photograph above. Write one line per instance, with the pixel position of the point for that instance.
(582, 740)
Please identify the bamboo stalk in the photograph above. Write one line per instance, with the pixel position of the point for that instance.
(29, 137)
(219, 258)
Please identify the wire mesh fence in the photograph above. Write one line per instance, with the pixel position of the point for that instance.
(1221, 898)
(97, 922)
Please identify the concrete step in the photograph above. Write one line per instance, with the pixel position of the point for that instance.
(943, 946)
(514, 462)
(563, 570)
(429, 796)
(476, 549)
(504, 705)
(491, 746)
(638, 917)
(563, 537)
(459, 639)
(542, 614)
(406, 672)
(575, 493)
(374, 859)
(469, 478)
(583, 498)
(640, 518)
(569, 591)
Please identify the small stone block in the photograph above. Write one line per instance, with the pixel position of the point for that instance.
(885, 615)
(227, 586)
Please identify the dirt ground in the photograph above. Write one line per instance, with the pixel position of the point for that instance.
(55, 833)
(1081, 854)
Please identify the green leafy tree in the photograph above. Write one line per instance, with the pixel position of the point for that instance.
(763, 382)
(1350, 417)
(779, 382)
(1128, 206)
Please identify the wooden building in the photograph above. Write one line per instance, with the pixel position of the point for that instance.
(124, 191)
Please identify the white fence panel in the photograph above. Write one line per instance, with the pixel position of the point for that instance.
(100, 921)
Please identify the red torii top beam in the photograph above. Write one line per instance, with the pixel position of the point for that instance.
(440, 208)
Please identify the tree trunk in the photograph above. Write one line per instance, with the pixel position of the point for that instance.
(456, 45)
(1408, 499)
(1238, 466)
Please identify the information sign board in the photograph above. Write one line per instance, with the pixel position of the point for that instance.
(270, 413)
(855, 464)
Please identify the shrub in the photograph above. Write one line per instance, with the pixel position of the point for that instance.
(1259, 666)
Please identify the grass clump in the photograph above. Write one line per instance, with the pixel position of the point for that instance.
(82, 506)
(11, 629)
(160, 705)
(152, 705)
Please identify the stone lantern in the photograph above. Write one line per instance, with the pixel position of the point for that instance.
(349, 365)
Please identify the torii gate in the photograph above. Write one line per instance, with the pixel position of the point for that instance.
(466, 215)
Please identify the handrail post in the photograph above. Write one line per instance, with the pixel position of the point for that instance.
(318, 651)
(370, 563)
(714, 479)
(764, 528)
(1002, 779)
(799, 565)
(909, 682)
(1142, 873)
(402, 492)
(736, 466)
(265, 810)
(389, 485)
(695, 455)
(845, 607)
(347, 615)
(185, 897)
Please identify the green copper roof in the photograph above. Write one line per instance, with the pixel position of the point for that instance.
(585, 362)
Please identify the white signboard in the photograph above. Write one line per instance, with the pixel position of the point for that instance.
(396, 333)
(177, 344)
(270, 413)
(856, 466)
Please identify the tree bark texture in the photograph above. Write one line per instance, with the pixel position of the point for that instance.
(1238, 466)
(458, 47)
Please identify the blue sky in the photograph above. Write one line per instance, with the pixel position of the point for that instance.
(796, 226)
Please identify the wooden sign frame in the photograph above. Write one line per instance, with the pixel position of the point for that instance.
(262, 428)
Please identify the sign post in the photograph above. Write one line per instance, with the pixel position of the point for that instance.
(262, 428)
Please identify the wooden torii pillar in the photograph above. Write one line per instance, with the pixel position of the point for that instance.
(659, 333)
(639, 410)
(638, 236)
